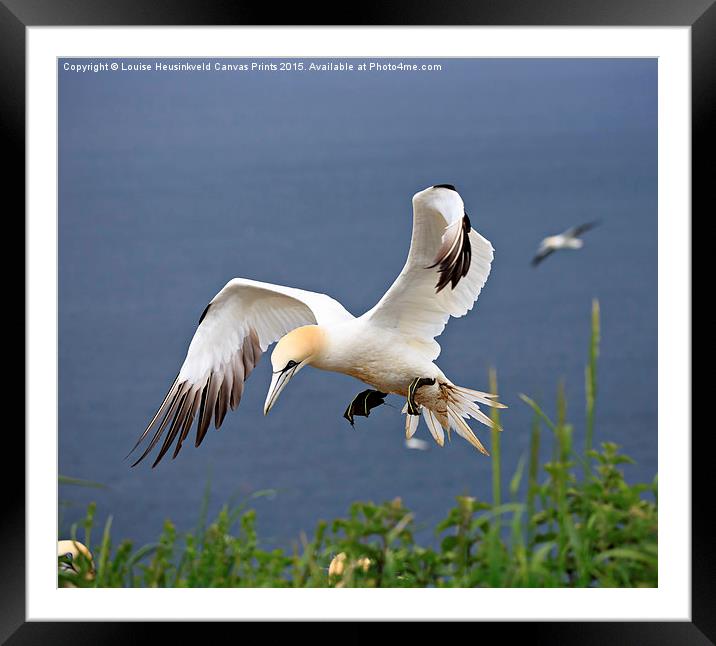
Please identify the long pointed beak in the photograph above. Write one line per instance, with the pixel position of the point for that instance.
(278, 383)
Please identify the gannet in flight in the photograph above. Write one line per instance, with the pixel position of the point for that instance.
(415, 443)
(391, 347)
(566, 240)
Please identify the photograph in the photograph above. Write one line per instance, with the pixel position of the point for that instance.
(468, 228)
(458, 254)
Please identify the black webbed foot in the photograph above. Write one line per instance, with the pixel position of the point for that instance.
(363, 403)
(413, 408)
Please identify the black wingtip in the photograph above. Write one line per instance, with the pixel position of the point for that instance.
(539, 258)
(447, 186)
(455, 263)
(587, 226)
(203, 314)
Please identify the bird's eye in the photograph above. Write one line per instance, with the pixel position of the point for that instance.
(68, 556)
(290, 364)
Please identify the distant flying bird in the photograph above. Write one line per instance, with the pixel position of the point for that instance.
(415, 443)
(391, 347)
(566, 240)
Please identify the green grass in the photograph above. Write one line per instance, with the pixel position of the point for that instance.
(575, 523)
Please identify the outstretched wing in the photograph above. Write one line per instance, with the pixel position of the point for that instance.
(236, 327)
(447, 266)
(542, 253)
(574, 232)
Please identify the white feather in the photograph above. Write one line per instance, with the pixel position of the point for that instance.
(411, 424)
(433, 426)
(243, 305)
(411, 305)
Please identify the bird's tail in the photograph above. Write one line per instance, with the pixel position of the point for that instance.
(449, 411)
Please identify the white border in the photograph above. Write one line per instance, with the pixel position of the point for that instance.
(670, 601)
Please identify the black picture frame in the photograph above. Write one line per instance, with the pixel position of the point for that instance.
(700, 15)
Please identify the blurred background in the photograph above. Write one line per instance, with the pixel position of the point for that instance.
(172, 183)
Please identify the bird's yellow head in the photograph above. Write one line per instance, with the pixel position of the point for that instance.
(292, 352)
(68, 554)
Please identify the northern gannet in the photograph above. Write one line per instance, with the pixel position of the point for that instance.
(415, 443)
(566, 240)
(391, 347)
(67, 553)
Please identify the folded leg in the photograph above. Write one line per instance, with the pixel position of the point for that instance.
(418, 382)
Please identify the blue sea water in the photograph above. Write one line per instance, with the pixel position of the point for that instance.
(171, 183)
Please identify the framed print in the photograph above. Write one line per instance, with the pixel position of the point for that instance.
(203, 185)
